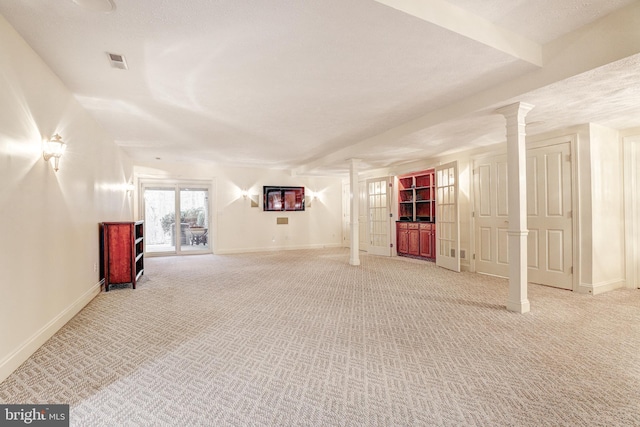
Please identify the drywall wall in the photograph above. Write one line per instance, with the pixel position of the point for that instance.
(607, 209)
(48, 220)
(238, 227)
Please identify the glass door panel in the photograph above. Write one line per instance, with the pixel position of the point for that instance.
(194, 213)
(159, 215)
(379, 221)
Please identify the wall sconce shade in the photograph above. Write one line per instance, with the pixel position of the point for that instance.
(54, 148)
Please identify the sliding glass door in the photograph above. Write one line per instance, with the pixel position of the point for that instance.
(176, 218)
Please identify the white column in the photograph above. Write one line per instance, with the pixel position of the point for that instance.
(354, 211)
(517, 193)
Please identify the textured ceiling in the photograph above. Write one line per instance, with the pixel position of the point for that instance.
(541, 20)
(304, 84)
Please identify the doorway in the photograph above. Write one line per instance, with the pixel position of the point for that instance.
(176, 219)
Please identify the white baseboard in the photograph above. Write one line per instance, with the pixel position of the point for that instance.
(22, 353)
(598, 288)
(276, 248)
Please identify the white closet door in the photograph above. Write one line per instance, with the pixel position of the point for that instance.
(549, 221)
(491, 216)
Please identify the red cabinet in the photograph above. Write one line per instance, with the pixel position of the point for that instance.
(414, 239)
(428, 240)
(121, 252)
(402, 236)
(416, 230)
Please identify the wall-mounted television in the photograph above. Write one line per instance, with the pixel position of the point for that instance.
(283, 198)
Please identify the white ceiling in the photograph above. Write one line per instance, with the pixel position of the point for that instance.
(305, 85)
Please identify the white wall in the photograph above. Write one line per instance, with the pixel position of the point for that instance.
(607, 209)
(240, 228)
(48, 220)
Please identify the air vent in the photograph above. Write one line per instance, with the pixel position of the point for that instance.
(117, 61)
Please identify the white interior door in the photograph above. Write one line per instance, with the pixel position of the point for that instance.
(362, 216)
(550, 251)
(550, 254)
(346, 212)
(447, 223)
(378, 220)
(491, 216)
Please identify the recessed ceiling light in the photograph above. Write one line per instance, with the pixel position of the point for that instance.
(105, 6)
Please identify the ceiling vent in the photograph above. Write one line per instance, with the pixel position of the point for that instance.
(117, 61)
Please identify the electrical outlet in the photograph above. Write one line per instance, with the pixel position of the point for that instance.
(95, 267)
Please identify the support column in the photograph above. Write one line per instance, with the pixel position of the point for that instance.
(517, 193)
(354, 259)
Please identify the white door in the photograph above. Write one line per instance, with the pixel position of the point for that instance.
(363, 240)
(346, 215)
(549, 249)
(362, 216)
(491, 216)
(447, 224)
(379, 222)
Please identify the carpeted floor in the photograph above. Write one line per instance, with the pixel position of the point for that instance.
(302, 338)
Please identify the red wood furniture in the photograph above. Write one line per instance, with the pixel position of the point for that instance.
(416, 228)
(122, 252)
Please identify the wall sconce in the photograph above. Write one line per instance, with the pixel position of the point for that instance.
(54, 148)
(245, 193)
(129, 187)
(310, 197)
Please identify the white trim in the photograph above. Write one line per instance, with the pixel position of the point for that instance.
(575, 209)
(16, 358)
(602, 287)
(631, 152)
(278, 248)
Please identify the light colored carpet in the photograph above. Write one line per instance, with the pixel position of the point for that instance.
(302, 338)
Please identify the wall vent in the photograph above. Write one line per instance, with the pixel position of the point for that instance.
(117, 61)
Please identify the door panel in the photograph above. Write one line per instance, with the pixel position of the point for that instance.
(447, 224)
(553, 216)
(159, 219)
(379, 222)
(491, 216)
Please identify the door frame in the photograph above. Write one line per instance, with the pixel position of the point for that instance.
(572, 139)
(144, 183)
(631, 147)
